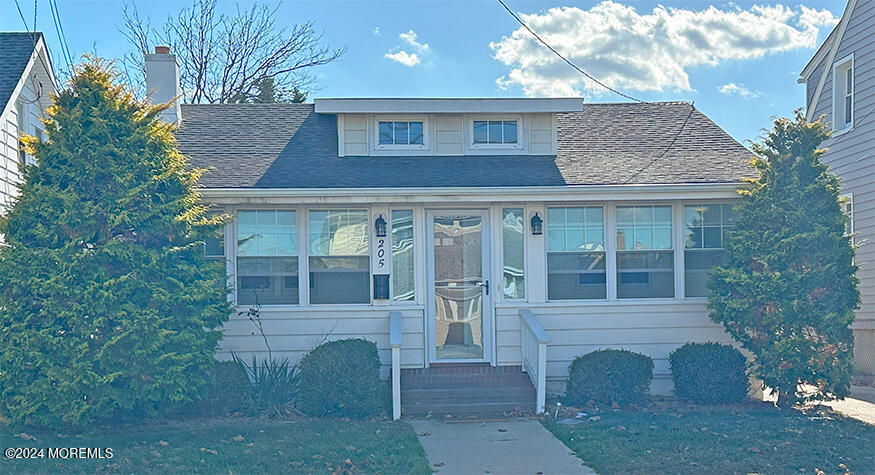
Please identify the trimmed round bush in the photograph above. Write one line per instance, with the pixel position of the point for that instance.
(341, 379)
(608, 376)
(709, 373)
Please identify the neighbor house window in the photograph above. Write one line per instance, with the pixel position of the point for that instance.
(645, 260)
(21, 118)
(402, 255)
(267, 262)
(843, 94)
(401, 133)
(576, 253)
(846, 201)
(513, 243)
(339, 257)
(489, 132)
(705, 227)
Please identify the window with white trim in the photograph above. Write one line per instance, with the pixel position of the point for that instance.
(705, 227)
(513, 252)
(645, 257)
(21, 113)
(403, 133)
(496, 132)
(576, 253)
(339, 256)
(267, 257)
(846, 201)
(843, 94)
(402, 255)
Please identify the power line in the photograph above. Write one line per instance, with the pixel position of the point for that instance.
(670, 145)
(33, 35)
(59, 29)
(563, 58)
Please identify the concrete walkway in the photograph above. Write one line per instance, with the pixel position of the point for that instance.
(518, 445)
(860, 406)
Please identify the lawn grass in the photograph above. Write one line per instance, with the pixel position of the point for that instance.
(749, 438)
(234, 445)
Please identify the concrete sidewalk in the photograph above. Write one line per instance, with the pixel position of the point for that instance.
(860, 406)
(518, 445)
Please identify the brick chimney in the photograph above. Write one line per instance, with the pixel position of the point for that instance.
(162, 82)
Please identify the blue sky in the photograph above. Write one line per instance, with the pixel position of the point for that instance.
(737, 61)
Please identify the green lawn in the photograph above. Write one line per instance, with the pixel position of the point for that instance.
(754, 438)
(234, 446)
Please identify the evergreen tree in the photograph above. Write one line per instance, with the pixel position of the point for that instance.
(788, 291)
(107, 305)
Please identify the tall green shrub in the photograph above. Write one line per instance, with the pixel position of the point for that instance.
(709, 373)
(788, 291)
(608, 376)
(107, 305)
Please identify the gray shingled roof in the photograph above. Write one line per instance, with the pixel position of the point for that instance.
(15, 51)
(290, 146)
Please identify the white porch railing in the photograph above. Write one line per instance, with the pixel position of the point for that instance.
(534, 355)
(395, 343)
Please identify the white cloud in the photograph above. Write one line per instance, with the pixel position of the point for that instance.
(405, 58)
(646, 52)
(411, 38)
(732, 89)
(377, 31)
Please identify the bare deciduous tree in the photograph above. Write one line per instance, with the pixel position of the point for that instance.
(230, 58)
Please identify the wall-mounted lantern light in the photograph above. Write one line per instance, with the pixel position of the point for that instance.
(537, 225)
(380, 226)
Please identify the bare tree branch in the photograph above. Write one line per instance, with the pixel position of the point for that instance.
(242, 57)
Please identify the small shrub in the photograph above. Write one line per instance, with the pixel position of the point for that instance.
(709, 373)
(273, 383)
(342, 379)
(608, 376)
(228, 391)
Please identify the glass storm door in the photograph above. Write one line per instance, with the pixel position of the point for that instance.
(458, 277)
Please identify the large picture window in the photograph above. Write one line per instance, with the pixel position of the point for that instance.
(402, 255)
(339, 257)
(513, 242)
(267, 262)
(705, 226)
(576, 253)
(645, 260)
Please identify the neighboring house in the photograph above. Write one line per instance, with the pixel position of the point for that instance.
(467, 232)
(840, 87)
(26, 85)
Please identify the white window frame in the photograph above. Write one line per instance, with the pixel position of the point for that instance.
(846, 201)
(520, 136)
(677, 262)
(416, 237)
(607, 207)
(305, 286)
(231, 255)
(401, 118)
(682, 243)
(499, 253)
(839, 83)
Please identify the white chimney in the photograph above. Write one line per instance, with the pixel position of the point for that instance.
(162, 82)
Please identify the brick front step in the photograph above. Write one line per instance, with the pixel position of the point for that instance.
(466, 390)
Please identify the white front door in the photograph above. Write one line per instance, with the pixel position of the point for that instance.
(459, 320)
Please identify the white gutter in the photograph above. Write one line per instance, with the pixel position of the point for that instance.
(472, 194)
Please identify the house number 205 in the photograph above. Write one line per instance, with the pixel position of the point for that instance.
(381, 253)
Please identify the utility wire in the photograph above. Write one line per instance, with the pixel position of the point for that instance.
(65, 44)
(670, 145)
(33, 35)
(65, 53)
(563, 58)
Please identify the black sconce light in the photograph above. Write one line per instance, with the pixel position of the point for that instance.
(537, 225)
(380, 226)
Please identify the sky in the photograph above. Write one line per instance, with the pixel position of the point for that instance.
(737, 60)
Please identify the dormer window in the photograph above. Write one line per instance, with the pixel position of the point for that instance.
(403, 133)
(495, 132)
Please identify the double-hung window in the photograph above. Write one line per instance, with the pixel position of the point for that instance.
(576, 253)
(705, 227)
(339, 256)
(843, 94)
(402, 255)
(645, 260)
(267, 257)
(401, 133)
(513, 252)
(495, 132)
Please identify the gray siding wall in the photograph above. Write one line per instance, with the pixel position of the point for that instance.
(852, 156)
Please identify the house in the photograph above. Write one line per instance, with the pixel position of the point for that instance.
(840, 88)
(471, 239)
(26, 85)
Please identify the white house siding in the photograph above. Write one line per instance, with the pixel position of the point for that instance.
(654, 328)
(446, 134)
(851, 155)
(292, 332)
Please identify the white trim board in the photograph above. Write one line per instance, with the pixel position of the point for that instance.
(840, 33)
